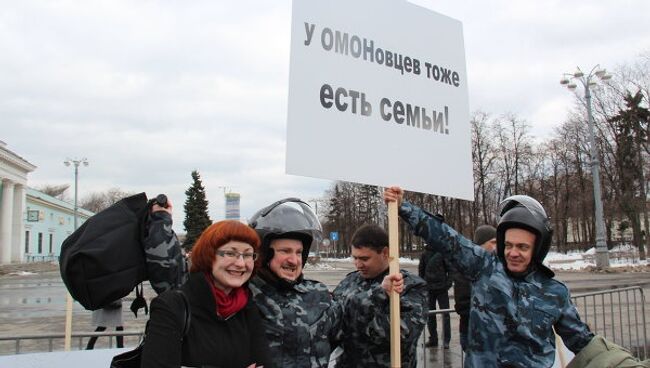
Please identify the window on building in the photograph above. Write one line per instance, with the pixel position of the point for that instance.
(40, 243)
(51, 242)
(26, 241)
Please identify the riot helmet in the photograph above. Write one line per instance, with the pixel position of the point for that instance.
(524, 212)
(289, 218)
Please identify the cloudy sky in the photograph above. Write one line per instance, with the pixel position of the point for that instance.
(150, 90)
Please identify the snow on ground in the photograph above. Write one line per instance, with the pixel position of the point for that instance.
(22, 273)
(323, 265)
(619, 256)
(402, 260)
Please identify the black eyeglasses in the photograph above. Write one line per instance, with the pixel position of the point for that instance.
(235, 255)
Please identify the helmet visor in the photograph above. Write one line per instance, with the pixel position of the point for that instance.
(531, 205)
(287, 215)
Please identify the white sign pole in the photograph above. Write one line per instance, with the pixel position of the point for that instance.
(393, 256)
(68, 322)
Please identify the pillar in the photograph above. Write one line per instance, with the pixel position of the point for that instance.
(18, 231)
(6, 217)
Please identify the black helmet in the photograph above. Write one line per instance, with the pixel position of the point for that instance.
(287, 218)
(524, 212)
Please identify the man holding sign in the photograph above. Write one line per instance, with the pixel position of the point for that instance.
(516, 303)
(366, 323)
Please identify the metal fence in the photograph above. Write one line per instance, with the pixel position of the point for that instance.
(617, 314)
(55, 342)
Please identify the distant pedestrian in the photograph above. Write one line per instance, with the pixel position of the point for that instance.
(436, 272)
(109, 316)
(486, 237)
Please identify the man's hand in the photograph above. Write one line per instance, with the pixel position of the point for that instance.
(393, 194)
(393, 282)
(168, 209)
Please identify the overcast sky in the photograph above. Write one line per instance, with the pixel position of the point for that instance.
(150, 90)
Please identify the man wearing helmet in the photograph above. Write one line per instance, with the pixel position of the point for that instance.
(366, 320)
(515, 302)
(301, 319)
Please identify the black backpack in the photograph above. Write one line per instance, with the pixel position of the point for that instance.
(104, 259)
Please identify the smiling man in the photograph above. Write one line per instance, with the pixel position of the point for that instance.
(300, 317)
(515, 302)
(366, 320)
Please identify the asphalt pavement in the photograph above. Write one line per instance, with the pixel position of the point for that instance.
(32, 299)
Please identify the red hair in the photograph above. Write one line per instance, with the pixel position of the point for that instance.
(216, 235)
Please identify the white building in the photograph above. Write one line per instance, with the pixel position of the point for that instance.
(13, 176)
(33, 225)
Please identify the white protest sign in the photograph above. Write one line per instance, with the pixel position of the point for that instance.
(378, 95)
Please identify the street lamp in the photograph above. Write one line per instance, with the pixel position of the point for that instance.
(588, 81)
(76, 163)
(67, 342)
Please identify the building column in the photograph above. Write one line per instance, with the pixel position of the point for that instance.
(18, 234)
(6, 214)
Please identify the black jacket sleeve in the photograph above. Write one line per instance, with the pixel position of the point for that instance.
(422, 266)
(462, 292)
(259, 341)
(163, 336)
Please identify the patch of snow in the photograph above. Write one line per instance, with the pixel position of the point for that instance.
(557, 261)
(22, 273)
(320, 266)
(624, 248)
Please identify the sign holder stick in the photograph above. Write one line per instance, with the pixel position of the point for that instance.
(393, 256)
(68, 322)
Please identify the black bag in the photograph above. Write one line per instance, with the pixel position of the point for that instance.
(103, 260)
(132, 358)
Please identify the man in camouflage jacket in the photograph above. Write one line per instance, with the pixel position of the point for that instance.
(366, 321)
(300, 316)
(516, 303)
(301, 320)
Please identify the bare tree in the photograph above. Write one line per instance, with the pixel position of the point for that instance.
(56, 191)
(514, 146)
(98, 201)
(483, 157)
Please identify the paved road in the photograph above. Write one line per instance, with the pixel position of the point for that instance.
(35, 303)
(577, 282)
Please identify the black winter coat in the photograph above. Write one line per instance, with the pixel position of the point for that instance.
(211, 340)
(462, 295)
(435, 271)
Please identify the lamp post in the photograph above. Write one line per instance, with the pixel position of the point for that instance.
(588, 81)
(68, 304)
(76, 163)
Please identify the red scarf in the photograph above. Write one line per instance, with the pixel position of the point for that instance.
(228, 304)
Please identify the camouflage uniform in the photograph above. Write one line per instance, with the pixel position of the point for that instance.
(300, 321)
(511, 318)
(166, 267)
(366, 320)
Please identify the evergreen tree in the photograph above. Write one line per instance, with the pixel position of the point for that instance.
(631, 136)
(196, 211)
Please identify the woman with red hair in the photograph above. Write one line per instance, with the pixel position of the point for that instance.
(225, 327)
